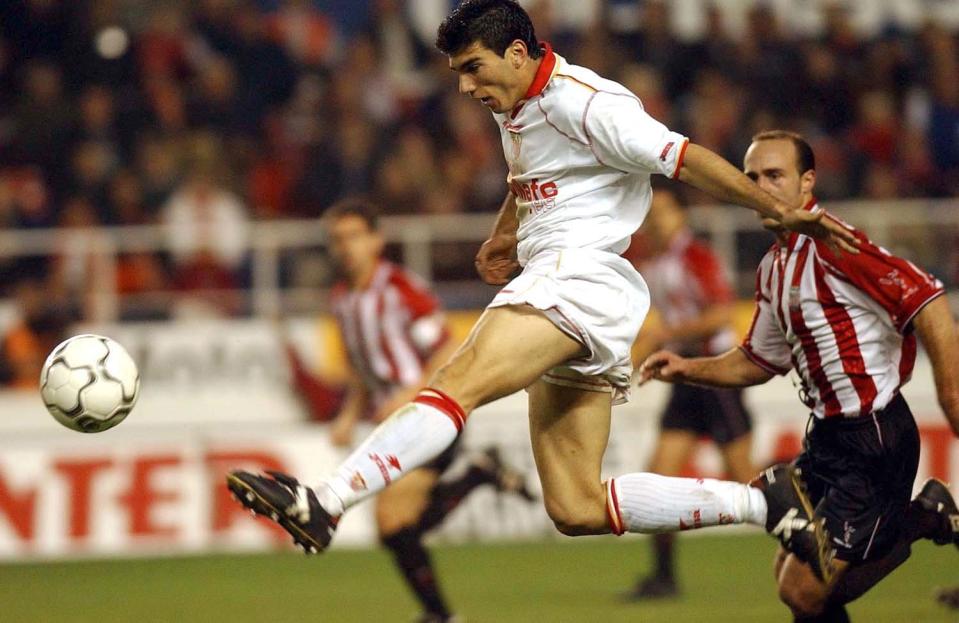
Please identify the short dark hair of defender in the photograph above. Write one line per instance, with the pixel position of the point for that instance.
(494, 23)
(804, 154)
(354, 206)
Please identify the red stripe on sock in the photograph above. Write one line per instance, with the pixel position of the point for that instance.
(445, 404)
(613, 514)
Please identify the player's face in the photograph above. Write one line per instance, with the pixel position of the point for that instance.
(354, 246)
(773, 165)
(496, 81)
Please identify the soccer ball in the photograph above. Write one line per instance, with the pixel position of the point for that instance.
(89, 383)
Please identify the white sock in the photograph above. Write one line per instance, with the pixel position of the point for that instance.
(647, 503)
(411, 437)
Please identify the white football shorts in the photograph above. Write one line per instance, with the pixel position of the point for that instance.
(595, 297)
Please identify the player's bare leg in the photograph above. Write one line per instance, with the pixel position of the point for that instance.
(569, 429)
(508, 348)
(737, 458)
(673, 450)
(807, 596)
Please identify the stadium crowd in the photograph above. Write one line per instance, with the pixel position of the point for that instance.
(207, 116)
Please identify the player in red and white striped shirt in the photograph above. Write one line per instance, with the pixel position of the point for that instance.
(847, 324)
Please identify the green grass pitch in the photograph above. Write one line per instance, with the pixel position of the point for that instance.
(725, 578)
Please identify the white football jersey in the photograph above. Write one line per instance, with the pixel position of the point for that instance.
(580, 151)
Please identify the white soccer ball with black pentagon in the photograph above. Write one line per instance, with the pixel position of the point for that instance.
(89, 383)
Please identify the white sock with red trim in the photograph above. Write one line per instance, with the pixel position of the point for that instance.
(646, 502)
(411, 437)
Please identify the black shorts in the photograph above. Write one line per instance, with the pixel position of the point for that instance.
(860, 473)
(717, 413)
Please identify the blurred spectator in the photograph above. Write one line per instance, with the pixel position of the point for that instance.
(137, 273)
(42, 118)
(307, 35)
(310, 100)
(38, 326)
(207, 233)
(79, 269)
(158, 164)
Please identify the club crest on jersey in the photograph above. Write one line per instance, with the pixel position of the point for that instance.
(516, 139)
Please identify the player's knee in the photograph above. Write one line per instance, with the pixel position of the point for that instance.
(803, 600)
(573, 521)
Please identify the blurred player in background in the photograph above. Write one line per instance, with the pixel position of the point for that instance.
(689, 288)
(581, 151)
(847, 324)
(395, 335)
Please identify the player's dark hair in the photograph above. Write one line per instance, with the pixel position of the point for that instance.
(805, 158)
(354, 206)
(495, 24)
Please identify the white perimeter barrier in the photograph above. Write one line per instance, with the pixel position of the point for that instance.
(154, 485)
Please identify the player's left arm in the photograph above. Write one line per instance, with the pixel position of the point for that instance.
(730, 369)
(936, 328)
(713, 174)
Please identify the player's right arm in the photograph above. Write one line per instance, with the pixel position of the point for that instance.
(496, 260)
(731, 369)
(936, 329)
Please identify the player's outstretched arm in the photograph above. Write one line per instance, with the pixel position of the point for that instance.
(731, 369)
(496, 260)
(937, 329)
(711, 173)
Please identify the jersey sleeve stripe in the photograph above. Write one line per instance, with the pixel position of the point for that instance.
(680, 158)
(762, 363)
(906, 320)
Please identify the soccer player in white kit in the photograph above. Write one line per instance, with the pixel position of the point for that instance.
(580, 150)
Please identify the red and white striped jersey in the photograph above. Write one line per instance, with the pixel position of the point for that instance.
(391, 328)
(683, 282)
(842, 321)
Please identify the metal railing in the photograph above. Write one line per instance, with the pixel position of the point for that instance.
(925, 231)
